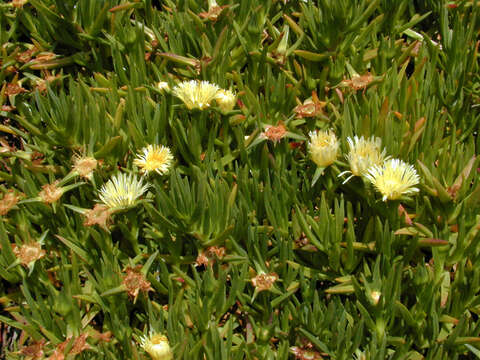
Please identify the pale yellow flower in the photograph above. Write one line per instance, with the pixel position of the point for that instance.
(122, 190)
(196, 94)
(226, 100)
(394, 179)
(362, 155)
(323, 147)
(154, 158)
(157, 346)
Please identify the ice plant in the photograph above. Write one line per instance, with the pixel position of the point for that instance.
(393, 179)
(323, 147)
(154, 158)
(226, 100)
(122, 190)
(196, 94)
(362, 155)
(157, 346)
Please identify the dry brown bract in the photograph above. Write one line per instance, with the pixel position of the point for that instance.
(10, 199)
(263, 282)
(28, 253)
(135, 282)
(99, 215)
(50, 193)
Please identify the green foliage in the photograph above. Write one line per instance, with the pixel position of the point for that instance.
(352, 276)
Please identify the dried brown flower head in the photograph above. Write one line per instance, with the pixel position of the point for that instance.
(311, 107)
(99, 215)
(28, 253)
(359, 82)
(9, 200)
(207, 257)
(26, 55)
(214, 11)
(50, 193)
(79, 345)
(14, 89)
(41, 85)
(275, 133)
(305, 354)
(18, 3)
(264, 281)
(135, 281)
(7, 108)
(84, 166)
(45, 56)
(33, 351)
(104, 337)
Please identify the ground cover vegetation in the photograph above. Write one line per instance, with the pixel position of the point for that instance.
(239, 179)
